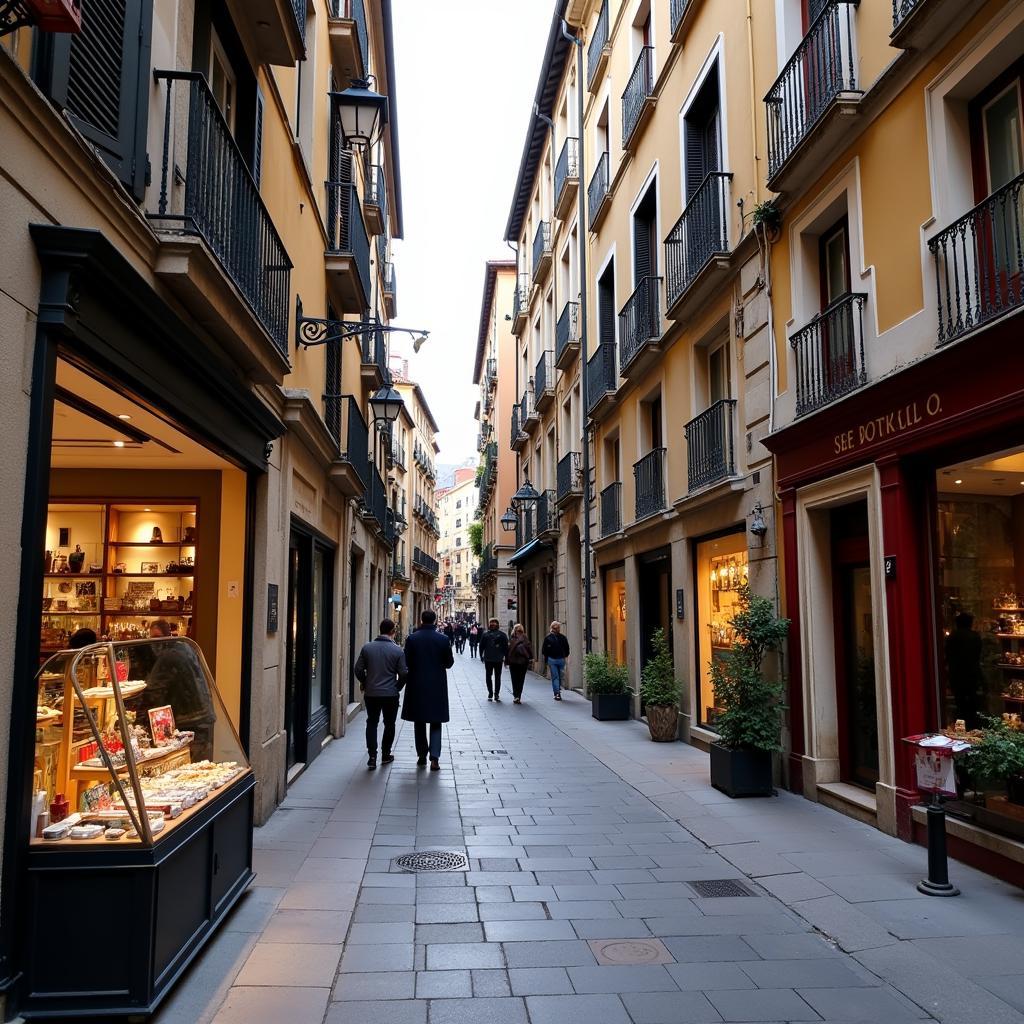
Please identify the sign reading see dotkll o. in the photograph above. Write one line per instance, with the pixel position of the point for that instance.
(890, 424)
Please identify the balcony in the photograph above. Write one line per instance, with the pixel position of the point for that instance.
(538, 521)
(611, 509)
(541, 250)
(649, 483)
(425, 563)
(830, 354)
(220, 252)
(567, 335)
(517, 435)
(640, 327)
(979, 263)
(521, 303)
(491, 374)
(350, 471)
(598, 196)
(599, 49)
(350, 45)
(347, 259)
(528, 408)
(569, 479)
(390, 290)
(488, 563)
(697, 248)
(602, 379)
(373, 367)
(812, 101)
(638, 99)
(375, 202)
(567, 178)
(710, 445)
(397, 453)
(273, 30)
(399, 570)
(544, 382)
(680, 15)
(920, 24)
(375, 503)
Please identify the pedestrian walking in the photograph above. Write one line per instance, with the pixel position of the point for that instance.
(428, 656)
(520, 658)
(381, 670)
(474, 639)
(555, 651)
(449, 631)
(493, 651)
(460, 637)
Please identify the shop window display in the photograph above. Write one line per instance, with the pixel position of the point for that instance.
(615, 614)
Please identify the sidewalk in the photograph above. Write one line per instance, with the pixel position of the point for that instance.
(587, 844)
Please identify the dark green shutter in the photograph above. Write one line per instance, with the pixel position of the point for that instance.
(257, 145)
(606, 305)
(100, 77)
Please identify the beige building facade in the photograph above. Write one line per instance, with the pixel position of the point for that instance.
(456, 511)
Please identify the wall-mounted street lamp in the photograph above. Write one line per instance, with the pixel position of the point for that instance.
(362, 113)
(509, 520)
(758, 526)
(386, 404)
(525, 496)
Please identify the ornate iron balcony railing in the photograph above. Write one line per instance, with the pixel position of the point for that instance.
(375, 351)
(346, 230)
(710, 445)
(567, 167)
(611, 509)
(345, 422)
(602, 374)
(700, 233)
(569, 475)
(830, 354)
(597, 189)
(353, 10)
(544, 377)
(598, 42)
(640, 318)
(639, 89)
(541, 245)
(221, 203)
(567, 330)
(677, 9)
(649, 483)
(979, 263)
(376, 189)
(902, 9)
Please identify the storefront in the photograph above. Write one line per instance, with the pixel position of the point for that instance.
(616, 619)
(903, 535)
(146, 459)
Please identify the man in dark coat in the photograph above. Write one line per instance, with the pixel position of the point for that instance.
(493, 650)
(428, 655)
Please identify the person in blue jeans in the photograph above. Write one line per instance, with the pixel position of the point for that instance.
(555, 650)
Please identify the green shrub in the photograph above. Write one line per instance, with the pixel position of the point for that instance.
(999, 755)
(604, 675)
(751, 706)
(658, 684)
(476, 539)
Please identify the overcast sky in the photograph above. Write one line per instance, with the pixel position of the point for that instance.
(467, 72)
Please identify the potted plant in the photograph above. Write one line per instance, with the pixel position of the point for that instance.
(607, 688)
(999, 757)
(659, 691)
(750, 718)
(768, 218)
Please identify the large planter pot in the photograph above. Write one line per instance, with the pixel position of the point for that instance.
(741, 772)
(610, 707)
(663, 721)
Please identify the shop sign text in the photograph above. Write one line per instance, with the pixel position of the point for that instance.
(890, 424)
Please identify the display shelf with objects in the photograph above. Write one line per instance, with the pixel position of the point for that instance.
(142, 793)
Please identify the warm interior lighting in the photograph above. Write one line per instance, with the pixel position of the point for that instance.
(119, 444)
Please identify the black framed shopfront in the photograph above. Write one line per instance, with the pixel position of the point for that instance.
(99, 318)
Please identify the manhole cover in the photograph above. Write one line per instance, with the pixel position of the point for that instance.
(619, 952)
(718, 887)
(432, 860)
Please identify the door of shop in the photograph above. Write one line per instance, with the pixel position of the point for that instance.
(655, 599)
(856, 699)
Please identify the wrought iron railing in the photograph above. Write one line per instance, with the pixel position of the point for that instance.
(426, 562)
(598, 41)
(353, 10)
(902, 9)
(677, 10)
(346, 230)
(375, 498)
(221, 203)
(611, 509)
(376, 191)
(823, 66)
(597, 190)
(544, 376)
(541, 245)
(345, 422)
(547, 511)
(299, 10)
(830, 354)
(649, 483)
(700, 233)
(979, 263)
(639, 89)
(516, 427)
(398, 571)
(567, 330)
(398, 452)
(488, 561)
(375, 351)
(567, 167)
(640, 318)
(569, 475)
(602, 374)
(710, 445)
(521, 298)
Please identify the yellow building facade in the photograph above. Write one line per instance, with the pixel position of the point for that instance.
(456, 511)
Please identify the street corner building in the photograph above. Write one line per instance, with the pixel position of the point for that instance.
(195, 302)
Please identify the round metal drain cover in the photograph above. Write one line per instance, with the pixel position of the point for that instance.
(619, 952)
(432, 860)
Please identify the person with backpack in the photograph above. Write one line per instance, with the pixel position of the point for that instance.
(520, 657)
(493, 651)
(555, 650)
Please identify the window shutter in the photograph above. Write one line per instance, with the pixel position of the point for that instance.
(606, 310)
(641, 248)
(100, 77)
(257, 145)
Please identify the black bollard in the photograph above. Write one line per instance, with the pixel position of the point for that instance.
(937, 883)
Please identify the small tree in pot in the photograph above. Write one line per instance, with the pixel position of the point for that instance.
(998, 757)
(750, 719)
(607, 688)
(659, 691)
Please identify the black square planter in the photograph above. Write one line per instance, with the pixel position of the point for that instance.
(610, 707)
(741, 772)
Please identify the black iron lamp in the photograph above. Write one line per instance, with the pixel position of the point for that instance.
(526, 495)
(387, 404)
(362, 111)
(758, 527)
(509, 520)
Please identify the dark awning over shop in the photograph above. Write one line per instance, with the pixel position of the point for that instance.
(524, 554)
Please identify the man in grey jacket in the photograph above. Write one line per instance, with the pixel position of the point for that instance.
(381, 671)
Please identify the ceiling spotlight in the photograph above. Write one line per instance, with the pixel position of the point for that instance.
(123, 416)
(958, 481)
(119, 444)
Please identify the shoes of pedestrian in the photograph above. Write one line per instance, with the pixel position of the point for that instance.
(387, 759)
(558, 696)
(434, 766)
(421, 762)
(490, 696)
(497, 698)
(371, 761)
(516, 700)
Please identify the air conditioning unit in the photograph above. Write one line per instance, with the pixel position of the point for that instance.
(56, 15)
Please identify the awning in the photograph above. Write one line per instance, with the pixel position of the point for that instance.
(524, 554)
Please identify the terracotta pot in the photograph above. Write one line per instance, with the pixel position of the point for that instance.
(663, 722)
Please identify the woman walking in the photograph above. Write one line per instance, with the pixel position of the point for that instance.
(556, 650)
(520, 655)
(474, 639)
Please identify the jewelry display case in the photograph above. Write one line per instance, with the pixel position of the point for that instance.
(142, 801)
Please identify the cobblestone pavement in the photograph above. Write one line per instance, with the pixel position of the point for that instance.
(587, 845)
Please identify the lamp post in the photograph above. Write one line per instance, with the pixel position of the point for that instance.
(362, 113)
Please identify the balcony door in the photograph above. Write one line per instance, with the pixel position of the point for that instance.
(838, 344)
(645, 243)
(702, 155)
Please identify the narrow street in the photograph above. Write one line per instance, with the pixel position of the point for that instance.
(587, 844)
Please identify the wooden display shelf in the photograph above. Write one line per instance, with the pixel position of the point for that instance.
(95, 614)
(146, 544)
(72, 575)
(150, 575)
(1010, 636)
(100, 771)
(147, 615)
